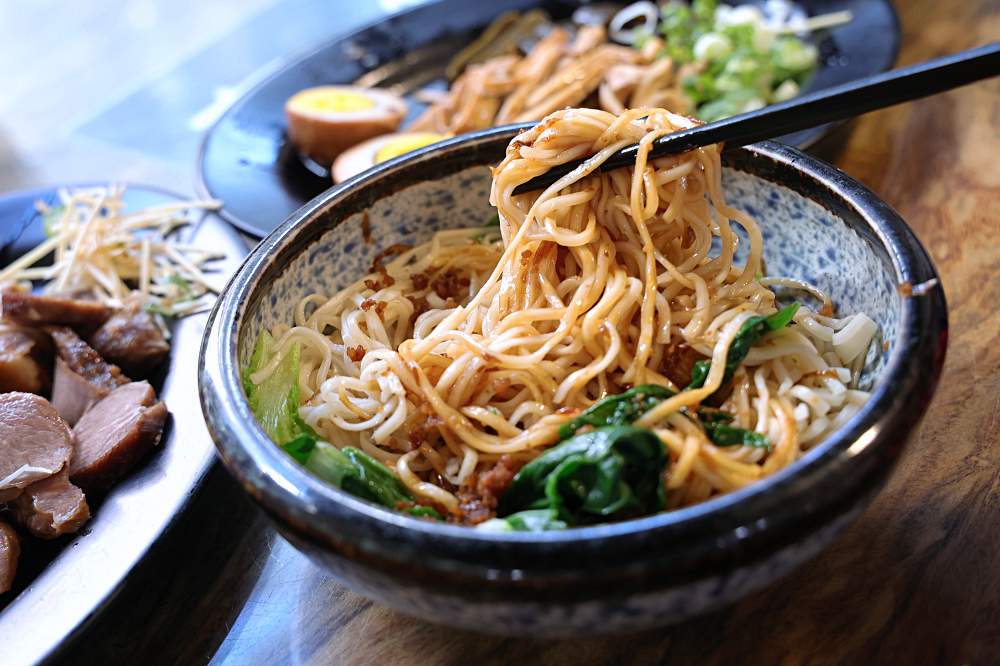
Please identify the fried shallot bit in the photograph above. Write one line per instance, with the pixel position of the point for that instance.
(420, 306)
(420, 281)
(356, 353)
(424, 426)
(479, 498)
(450, 284)
(379, 306)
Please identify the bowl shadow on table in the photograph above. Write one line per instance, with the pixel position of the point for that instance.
(181, 600)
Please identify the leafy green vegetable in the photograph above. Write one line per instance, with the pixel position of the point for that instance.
(532, 520)
(357, 473)
(740, 34)
(793, 56)
(716, 423)
(259, 355)
(424, 512)
(621, 409)
(612, 472)
(301, 447)
(752, 330)
(275, 401)
(676, 23)
(704, 11)
(739, 66)
(615, 470)
(729, 104)
(699, 373)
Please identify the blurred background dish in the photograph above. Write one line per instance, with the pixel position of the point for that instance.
(247, 158)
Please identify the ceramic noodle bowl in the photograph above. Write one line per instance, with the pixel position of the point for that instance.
(819, 226)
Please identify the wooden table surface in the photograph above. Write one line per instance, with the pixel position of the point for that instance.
(915, 580)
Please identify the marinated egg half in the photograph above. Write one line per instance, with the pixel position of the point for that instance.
(380, 149)
(325, 121)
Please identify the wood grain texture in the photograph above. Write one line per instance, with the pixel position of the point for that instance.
(916, 580)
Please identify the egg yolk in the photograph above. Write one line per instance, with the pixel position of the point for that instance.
(326, 100)
(404, 145)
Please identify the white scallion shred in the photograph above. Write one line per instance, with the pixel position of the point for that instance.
(99, 247)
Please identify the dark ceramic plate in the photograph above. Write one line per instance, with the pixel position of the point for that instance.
(63, 584)
(247, 162)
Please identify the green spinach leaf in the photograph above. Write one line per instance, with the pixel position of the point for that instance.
(424, 512)
(301, 447)
(716, 423)
(532, 520)
(621, 409)
(752, 330)
(611, 472)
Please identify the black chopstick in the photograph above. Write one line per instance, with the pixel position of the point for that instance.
(823, 106)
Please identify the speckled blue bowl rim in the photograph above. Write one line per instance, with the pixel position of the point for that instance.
(865, 447)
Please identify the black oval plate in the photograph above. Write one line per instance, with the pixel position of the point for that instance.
(246, 161)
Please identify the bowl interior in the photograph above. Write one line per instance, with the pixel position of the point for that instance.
(802, 240)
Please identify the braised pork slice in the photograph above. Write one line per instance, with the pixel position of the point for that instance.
(114, 434)
(65, 310)
(35, 442)
(25, 359)
(10, 551)
(84, 360)
(51, 507)
(81, 376)
(132, 340)
(72, 395)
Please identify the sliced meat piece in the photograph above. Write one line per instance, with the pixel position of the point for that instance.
(34, 442)
(52, 309)
(10, 550)
(113, 435)
(51, 507)
(72, 395)
(25, 359)
(132, 340)
(84, 361)
(81, 376)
